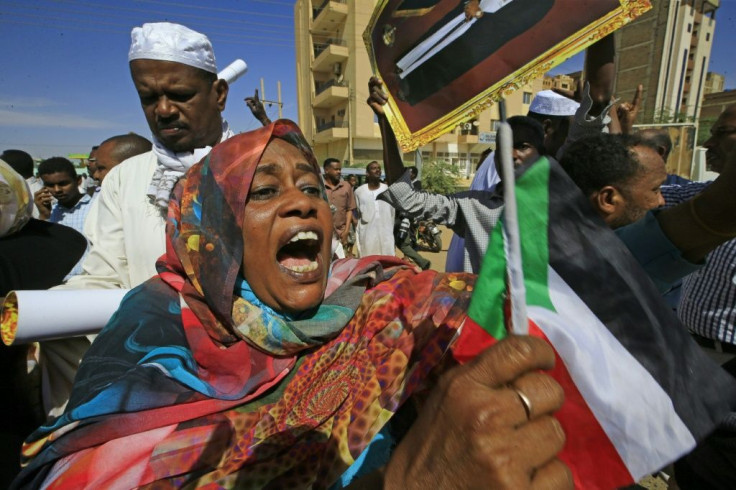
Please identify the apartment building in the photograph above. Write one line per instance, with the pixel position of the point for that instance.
(667, 50)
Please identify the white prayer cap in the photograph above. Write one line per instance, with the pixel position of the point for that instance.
(549, 103)
(165, 41)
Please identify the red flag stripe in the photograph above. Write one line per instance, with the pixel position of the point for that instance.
(472, 341)
(588, 451)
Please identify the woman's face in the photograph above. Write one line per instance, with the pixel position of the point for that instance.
(286, 231)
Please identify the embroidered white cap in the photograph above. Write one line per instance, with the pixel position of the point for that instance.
(165, 41)
(550, 103)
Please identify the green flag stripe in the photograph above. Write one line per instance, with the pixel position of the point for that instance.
(533, 194)
(486, 307)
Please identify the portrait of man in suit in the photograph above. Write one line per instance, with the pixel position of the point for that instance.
(440, 58)
(470, 33)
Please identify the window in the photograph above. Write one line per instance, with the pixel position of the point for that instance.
(689, 28)
(707, 36)
(527, 99)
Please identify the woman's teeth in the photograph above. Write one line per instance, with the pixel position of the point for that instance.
(304, 235)
(311, 266)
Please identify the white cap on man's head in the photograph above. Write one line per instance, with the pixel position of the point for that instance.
(550, 103)
(165, 41)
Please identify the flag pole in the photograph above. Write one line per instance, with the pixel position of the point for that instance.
(517, 289)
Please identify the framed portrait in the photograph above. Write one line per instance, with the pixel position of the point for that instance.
(441, 68)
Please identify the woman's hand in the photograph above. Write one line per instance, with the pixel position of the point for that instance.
(473, 10)
(476, 431)
(376, 96)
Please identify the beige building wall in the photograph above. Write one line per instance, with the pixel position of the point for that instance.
(714, 83)
(332, 86)
(715, 103)
(667, 50)
(565, 82)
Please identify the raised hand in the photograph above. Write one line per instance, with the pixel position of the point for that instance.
(628, 111)
(256, 108)
(377, 98)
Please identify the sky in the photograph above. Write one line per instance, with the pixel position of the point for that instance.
(65, 84)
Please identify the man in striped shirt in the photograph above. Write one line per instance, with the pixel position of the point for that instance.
(61, 184)
(708, 304)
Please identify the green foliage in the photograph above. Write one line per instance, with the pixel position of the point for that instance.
(665, 116)
(439, 177)
(704, 129)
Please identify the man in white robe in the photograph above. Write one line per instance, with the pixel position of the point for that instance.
(375, 231)
(174, 72)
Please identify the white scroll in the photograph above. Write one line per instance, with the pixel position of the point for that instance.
(30, 316)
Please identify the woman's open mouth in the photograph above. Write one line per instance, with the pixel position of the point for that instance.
(301, 254)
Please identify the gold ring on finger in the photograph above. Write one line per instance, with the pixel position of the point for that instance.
(524, 401)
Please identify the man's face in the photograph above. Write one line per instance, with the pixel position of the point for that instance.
(63, 187)
(333, 171)
(182, 107)
(555, 133)
(642, 193)
(104, 161)
(373, 172)
(92, 163)
(522, 154)
(722, 141)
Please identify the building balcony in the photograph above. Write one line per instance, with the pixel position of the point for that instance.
(470, 139)
(329, 93)
(327, 54)
(328, 16)
(331, 131)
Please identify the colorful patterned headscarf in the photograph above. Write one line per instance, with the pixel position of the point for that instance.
(189, 385)
(16, 201)
(204, 227)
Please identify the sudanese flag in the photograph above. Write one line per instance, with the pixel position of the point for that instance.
(639, 393)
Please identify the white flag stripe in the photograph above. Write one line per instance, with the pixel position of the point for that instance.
(631, 407)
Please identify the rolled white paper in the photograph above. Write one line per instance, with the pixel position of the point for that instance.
(44, 315)
(233, 71)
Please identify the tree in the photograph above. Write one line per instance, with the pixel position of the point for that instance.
(439, 177)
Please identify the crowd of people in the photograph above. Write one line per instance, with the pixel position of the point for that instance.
(273, 339)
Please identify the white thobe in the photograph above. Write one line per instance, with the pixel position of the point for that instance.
(127, 235)
(375, 231)
(127, 230)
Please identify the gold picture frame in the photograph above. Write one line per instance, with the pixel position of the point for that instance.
(418, 123)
